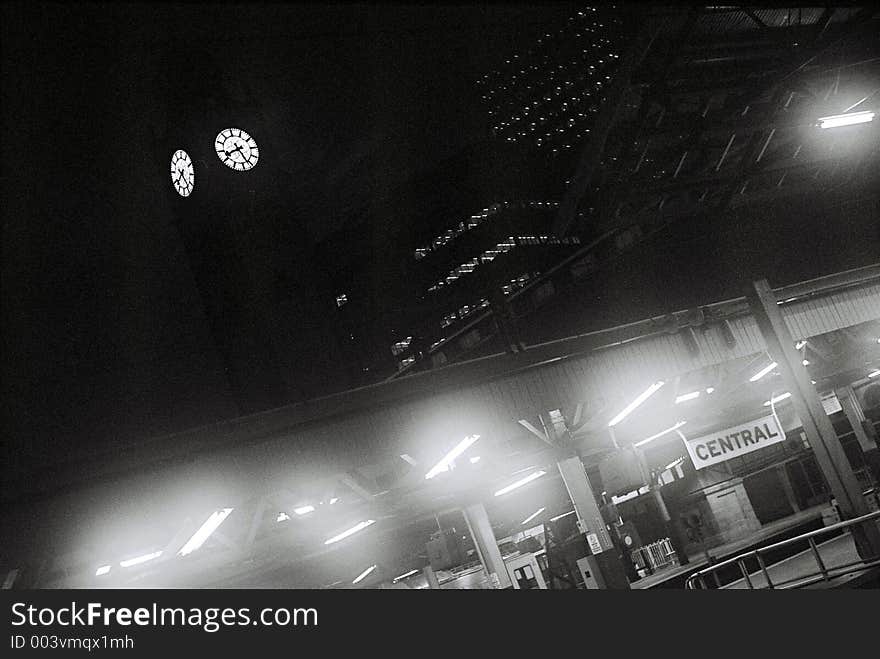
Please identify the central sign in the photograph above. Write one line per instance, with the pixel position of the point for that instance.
(733, 442)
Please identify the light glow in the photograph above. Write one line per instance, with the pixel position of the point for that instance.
(137, 560)
(104, 569)
(533, 515)
(304, 510)
(205, 530)
(764, 371)
(282, 517)
(633, 405)
(448, 459)
(710, 390)
(475, 459)
(363, 575)
(520, 482)
(660, 434)
(806, 362)
(776, 399)
(334, 500)
(836, 120)
(800, 344)
(674, 463)
(570, 512)
(360, 526)
(690, 396)
(874, 374)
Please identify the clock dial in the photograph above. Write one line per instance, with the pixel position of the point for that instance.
(183, 176)
(236, 149)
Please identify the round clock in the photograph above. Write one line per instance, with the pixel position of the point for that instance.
(236, 149)
(183, 177)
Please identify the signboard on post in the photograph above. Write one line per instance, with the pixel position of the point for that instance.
(733, 442)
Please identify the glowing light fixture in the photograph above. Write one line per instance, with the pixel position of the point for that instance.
(684, 397)
(678, 425)
(405, 575)
(475, 459)
(776, 399)
(137, 560)
(360, 526)
(520, 482)
(104, 569)
(674, 463)
(333, 500)
(533, 515)
(806, 362)
(570, 512)
(837, 120)
(363, 575)
(874, 374)
(282, 517)
(456, 451)
(710, 390)
(205, 530)
(799, 345)
(304, 510)
(633, 405)
(764, 371)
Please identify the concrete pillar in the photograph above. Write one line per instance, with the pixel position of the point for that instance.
(826, 446)
(782, 472)
(487, 547)
(856, 417)
(591, 523)
(430, 575)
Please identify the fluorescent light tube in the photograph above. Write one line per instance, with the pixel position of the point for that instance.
(533, 516)
(684, 397)
(363, 575)
(304, 510)
(520, 482)
(778, 398)
(660, 434)
(837, 120)
(570, 512)
(137, 560)
(764, 371)
(405, 575)
(104, 569)
(205, 531)
(633, 405)
(457, 450)
(360, 526)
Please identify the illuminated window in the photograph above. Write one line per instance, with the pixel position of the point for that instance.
(341, 299)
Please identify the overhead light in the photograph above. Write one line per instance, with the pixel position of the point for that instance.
(363, 575)
(836, 120)
(690, 396)
(778, 398)
(282, 517)
(570, 512)
(475, 459)
(633, 405)
(533, 515)
(104, 569)
(520, 482)
(457, 450)
(408, 458)
(812, 382)
(404, 576)
(333, 500)
(764, 371)
(205, 531)
(304, 510)
(660, 434)
(137, 560)
(806, 362)
(800, 344)
(360, 526)
(874, 374)
(710, 390)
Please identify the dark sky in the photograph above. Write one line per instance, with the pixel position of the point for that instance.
(105, 339)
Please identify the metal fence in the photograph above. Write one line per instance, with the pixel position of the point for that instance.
(822, 572)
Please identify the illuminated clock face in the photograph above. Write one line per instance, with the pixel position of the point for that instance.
(183, 177)
(236, 149)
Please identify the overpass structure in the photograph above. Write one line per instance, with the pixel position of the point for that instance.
(294, 477)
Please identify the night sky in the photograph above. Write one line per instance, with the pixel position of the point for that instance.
(105, 339)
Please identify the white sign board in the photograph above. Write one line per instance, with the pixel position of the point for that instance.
(595, 545)
(733, 442)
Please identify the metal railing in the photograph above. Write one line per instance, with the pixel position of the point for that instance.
(654, 556)
(822, 573)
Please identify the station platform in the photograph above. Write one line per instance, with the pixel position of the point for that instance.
(765, 535)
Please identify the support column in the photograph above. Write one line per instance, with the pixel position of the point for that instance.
(856, 417)
(487, 547)
(670, 526)
(782, 472)
(431, 576)
(826, 446)
(591, 523)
